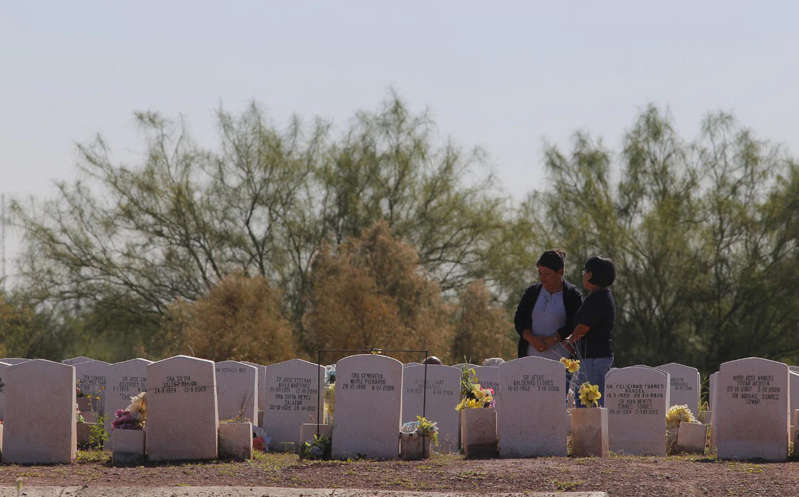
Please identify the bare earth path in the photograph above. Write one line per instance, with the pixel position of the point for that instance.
(618, 476)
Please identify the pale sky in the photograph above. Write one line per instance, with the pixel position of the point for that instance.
(500, 75)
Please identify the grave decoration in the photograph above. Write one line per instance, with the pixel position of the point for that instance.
(589, 424)
(478, 417)
(416, 437)
(127, 436)
(675, 416)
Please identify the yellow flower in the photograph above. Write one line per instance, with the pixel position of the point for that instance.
(677, 414)
(590, 394)
(572, 365)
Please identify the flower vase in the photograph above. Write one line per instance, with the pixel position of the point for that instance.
(479, 432)
(414, 446)
(589, 427)
(692, 437)
(127, 446)
(235, 441)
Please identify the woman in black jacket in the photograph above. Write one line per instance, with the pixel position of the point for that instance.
(545, 315)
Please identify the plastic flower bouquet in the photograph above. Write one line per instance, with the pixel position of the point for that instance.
(677, 414)
(134, 416)
(474, 396)
(571, 365)
(590, 394)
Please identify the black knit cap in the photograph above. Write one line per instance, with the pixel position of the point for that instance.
(551, 260)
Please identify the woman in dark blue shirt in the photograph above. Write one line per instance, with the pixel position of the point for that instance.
(593, 333)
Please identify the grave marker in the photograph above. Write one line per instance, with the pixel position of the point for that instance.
(637, 398)
(77, 360)
(684, 385)
(3, 366)
(182, 417)
(752, 414)
(125, 379)
(39, 424)
(443, 394)
(261, 391)
(292, 395)
(91, 377)
(368, 407)
(13, 360)
(531, 414)
(237, 391)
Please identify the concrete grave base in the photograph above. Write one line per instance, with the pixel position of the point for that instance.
(235, 440)
(127, 447)
(479, 432)
(692, 437)
(589, 427)
(413, 446)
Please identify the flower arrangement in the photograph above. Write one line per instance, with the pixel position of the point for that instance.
(422, 427)
(571, 365)
(134, 416)
(590, 394)
(677, 414)
(473, 396)
(319, 448)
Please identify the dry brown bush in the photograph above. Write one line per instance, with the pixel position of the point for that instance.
(239, 319)
(372, 292)
(482, 327)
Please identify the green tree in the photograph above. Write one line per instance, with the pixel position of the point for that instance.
(482, 327)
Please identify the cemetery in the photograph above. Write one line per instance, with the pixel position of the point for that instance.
(371, 410)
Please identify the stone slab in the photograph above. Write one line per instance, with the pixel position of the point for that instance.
(368, 407)
(292, 398)
(125, 380)
(40, 424)
(237, 391)
(3, 366)
(637, 398)
(91, 377)
(442, 395)
(531, 408)
(262, 369)
(752, 415)
(685, 385)
(182, 417)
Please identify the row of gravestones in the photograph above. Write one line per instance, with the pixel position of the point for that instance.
(373, 393)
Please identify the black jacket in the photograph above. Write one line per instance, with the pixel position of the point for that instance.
(572, 299)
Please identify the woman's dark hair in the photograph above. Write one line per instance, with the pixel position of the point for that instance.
(602, 270)
(553, 259)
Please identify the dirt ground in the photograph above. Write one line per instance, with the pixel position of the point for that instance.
(616, 475)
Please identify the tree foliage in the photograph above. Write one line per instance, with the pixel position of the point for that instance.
(372, 293)
(482, 327)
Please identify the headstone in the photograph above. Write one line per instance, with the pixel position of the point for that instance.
(292, 396)
(3, 366)
(261, 390)
(78, 359)
(752, 413)
(794, 387)
(493, 361)
(637, 398)
(685, 385)
(39, 424)
(795, 369)
(237, 391)
(92, 377)
(712, 402)
(182, 417)
(13, 360)
(531, 414)
(443, 394)
(125, 380)
(488, 377)
(368, 407)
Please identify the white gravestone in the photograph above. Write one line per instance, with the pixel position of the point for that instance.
(125, 380)
(91, 377)
(712, 402)
(13, 360)
(237, 391)
(368, 407)
(531, 414)
(752, 413)
(39, 424)
(261, 390)
(795, 369)
(77, 360)
(182, 417)
(637, 399)
(3, 366)
(685, 385)
(443, 394)
(292, 396)
(793, 379)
